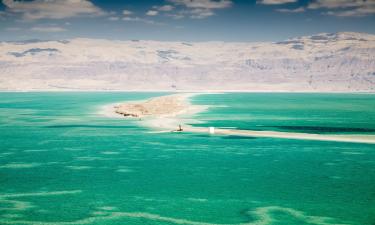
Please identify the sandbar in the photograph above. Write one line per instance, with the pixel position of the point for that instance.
(167, 113)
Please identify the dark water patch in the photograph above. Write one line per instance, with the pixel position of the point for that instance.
(237, 137)
(89, 126)
(321, 129)
(203, 135)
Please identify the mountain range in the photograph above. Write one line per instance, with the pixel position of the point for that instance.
(327, 62)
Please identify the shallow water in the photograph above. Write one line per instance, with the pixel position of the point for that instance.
(63, 163)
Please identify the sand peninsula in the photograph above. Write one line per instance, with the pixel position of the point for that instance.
(169, 112)
(165, 113)
(164, 106)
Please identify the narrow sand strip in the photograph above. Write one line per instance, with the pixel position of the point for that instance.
(166, 113)
(369, 139)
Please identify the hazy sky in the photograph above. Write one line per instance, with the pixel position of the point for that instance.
(182, 20)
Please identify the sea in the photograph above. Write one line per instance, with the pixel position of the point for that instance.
(62, 161)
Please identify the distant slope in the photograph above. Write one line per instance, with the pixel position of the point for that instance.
(323, 62)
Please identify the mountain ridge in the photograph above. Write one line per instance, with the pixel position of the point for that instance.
(326, 62)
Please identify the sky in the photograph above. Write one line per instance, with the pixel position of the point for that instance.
(182, 20)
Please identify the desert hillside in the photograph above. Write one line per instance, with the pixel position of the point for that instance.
(323, 62)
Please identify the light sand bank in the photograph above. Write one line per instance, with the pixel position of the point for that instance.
(164, 106)
(167, 112)
(369, 139)
(163, 113)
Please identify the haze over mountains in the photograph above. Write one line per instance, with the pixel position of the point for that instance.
(323, 62)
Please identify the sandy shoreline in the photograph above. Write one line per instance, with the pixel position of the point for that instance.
(166, 113)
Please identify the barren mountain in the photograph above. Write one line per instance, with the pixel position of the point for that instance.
(323, 62)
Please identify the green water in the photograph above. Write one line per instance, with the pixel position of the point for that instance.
(63, 163)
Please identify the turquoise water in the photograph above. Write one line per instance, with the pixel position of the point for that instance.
(63, 163)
